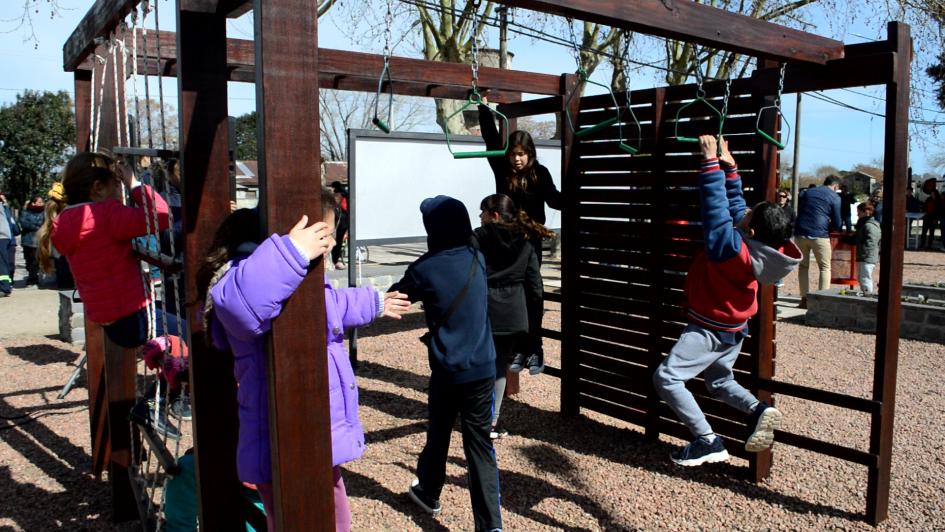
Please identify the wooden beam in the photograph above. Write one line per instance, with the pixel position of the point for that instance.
(287, 69)
(694, 22)
(100, 20)
(205, 162)
(895, 176)
(120, 373)
(570, 250)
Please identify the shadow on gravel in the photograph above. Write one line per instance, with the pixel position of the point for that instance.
(587, 436)
(362, 486)
(409, 321)
(43, 354)
(79, 495)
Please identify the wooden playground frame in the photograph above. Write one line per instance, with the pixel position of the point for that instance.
(288, 68)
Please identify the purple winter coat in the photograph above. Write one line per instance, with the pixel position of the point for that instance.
(245, 301)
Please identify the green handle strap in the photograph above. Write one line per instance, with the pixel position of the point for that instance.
(623, 146)
(699, 98)
(384, 125)
(770, 138)
(476, 99)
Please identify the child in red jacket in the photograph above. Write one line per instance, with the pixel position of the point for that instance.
(742, 248)
(94, 233)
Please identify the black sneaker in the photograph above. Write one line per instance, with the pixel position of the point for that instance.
(498, 431)
(180, 408)
(699, 452)
(536, 364)
(429, 504)
(142, 414)
(518, 363)
(763, 422)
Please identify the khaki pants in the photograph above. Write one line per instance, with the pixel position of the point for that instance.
(821, 249)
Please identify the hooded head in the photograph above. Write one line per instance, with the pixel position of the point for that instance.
(447, 223)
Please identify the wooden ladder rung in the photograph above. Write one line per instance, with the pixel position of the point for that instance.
(146, 152)
(161, 452)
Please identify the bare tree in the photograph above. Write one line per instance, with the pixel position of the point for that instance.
(23, 22)
(340, 111)
(148, 117)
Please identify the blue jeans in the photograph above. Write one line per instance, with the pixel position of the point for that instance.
(701, 350)
(132, 330)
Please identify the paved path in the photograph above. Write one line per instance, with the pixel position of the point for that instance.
(28, 311)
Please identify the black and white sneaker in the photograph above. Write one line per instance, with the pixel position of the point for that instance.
(700, 451)
(429, 504)
(764, 421)
(497, 432)
(518, 363)
(536, 363)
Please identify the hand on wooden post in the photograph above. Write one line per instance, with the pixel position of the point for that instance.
(313, 240)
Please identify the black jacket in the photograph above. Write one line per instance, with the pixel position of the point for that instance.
(514, 279)
(533, 200)
(462, 349)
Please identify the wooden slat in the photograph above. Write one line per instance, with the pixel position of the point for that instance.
(820, 396)
(821, 447)
(120, 373)
(699, 23)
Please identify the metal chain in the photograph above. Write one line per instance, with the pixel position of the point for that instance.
(728, 91)
(388, 23)
(625, 67)
(575, 48)
(777, 99)
(134, 72)
(698, 69)
(474, 60)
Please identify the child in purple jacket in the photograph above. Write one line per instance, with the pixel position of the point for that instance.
(245, 283)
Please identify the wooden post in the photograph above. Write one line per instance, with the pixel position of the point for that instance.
(762, 325)
(83, 109)
(120, 373)
(287, 105)
(895, 174)
(657, 266)
(204, 142)
(569, 254)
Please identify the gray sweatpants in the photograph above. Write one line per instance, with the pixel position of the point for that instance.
(700, 350)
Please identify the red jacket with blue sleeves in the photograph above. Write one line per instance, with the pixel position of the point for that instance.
(722, 283)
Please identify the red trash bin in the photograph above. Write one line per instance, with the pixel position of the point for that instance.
(843, 259)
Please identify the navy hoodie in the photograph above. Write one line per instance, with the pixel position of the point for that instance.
(461, 350)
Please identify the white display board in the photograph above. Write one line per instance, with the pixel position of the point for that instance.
(389, 175)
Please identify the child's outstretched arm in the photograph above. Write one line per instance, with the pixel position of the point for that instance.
(249, 296)
(722, 241)
(733, 184)
(360, 306)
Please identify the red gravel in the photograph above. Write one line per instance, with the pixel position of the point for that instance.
(586, 473)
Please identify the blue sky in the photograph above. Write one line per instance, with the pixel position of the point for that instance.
(830, 135)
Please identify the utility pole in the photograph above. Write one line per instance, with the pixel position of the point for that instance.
(795, 192)
(503, 37)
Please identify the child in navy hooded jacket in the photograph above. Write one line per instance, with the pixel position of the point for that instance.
(743, 247)
(462, 359)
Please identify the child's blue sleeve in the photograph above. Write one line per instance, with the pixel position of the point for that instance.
(736, 197)
(722, 241)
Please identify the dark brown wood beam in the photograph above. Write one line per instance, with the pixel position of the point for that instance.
(100, 20)
(287, 70)
(693, 22)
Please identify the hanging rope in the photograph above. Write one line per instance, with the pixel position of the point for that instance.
(160, 80)
(101, 100)
(118, 121)
(145, 9)
(134, 72)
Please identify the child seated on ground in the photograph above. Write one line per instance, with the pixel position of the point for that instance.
(721, 292)
(450, 280)
(94, 233)
(245, 281)
(867, 245)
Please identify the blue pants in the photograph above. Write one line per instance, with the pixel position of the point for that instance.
(6, 267)
(132, 330)
(701, 350)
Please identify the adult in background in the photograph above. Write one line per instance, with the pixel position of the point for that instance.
(817, 213)
(846, 212)
(528, 183)
(341, 222)
(8, 232)
(31, 219)
(932, 208)
(877, 200)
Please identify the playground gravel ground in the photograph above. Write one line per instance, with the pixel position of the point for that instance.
(585, 473)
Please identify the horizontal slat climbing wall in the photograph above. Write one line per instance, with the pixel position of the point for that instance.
(637, 231)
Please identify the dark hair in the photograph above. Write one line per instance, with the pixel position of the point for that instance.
(34, 198)
(523, 139)
(240, 226)
(513, 217)
(868, 208)
(328, 203)
(772, 224)
(831, 181)
(82, 172)
(171, 165)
